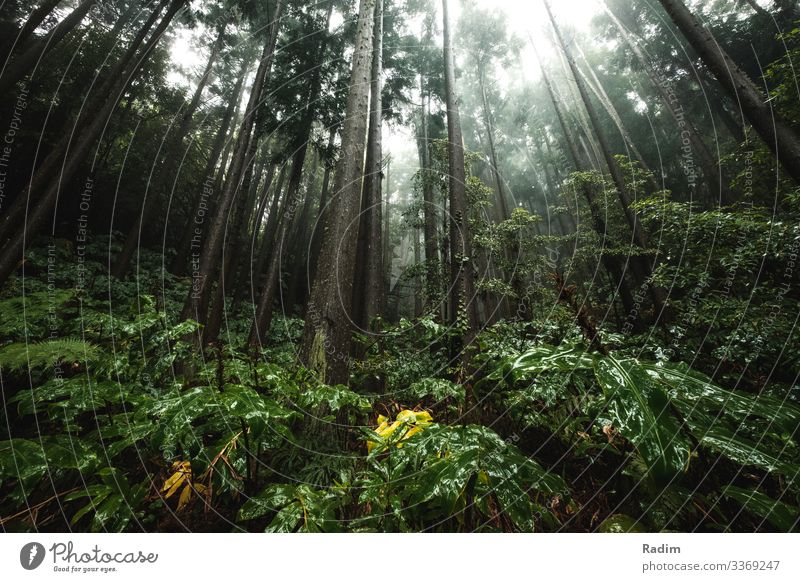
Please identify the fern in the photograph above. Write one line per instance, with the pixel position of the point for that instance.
(18, 356)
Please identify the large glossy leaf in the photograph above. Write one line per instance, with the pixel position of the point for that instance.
(696, 388)
(641, 412)
(784, 517)
(296, 508)
(746, 452)
(452, 459)
(563, 358)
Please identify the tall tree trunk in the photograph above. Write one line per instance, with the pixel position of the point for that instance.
(463, 305)
(27, 61)
(276, 210)
(35, 219)
(418, 303)
(234, 233)
(247, 260)
(612, 263)
(711, 169)
(197, 300)
(387, 244)
(192, 227)
(33, 21)
(432, 264)
(316, 236)
(642, 266)
(489, 127)
(327, 333)
(639, 237)
(264, 313)
(299, 241)
(372, 300)
(781, 139)
(594, 83)
(87, 124)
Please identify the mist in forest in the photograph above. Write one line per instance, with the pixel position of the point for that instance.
(399, 265)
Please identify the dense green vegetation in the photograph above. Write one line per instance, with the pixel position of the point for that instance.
(231, 301)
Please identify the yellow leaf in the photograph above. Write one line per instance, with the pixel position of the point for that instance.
(406, 416)
(424, 417)
(186, 495)
(183, 471)
(415, 421)
(388, 431)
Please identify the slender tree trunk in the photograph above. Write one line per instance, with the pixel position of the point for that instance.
(463, 307)
(27, 61)
(387, 244)
(316, 236)
(264, 313)
(612, 264)
(432, 265)
(327, 334)
(489, 127)
(371, 302)
(276, 210)
(199, 204)
(247, 262)
(643, 267)
(779, 137)
(639, 237)
(196, 306)
(594, 83)
(233, 233)
(300, 243)
(35, 219)
(711, 169)
(87, 124)
(33, 21)
(418, 303)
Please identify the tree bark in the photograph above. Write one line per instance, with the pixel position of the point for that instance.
(369, 302)
(25, 62)
(327, 333)
(316, 236)
(781, 139)
(463, 305)
(33, 21)
(35, 219)
(197, 300)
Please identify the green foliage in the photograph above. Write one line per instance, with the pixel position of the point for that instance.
(673, 417)
(468, 475)
(294, 508)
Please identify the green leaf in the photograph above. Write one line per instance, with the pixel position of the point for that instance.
(697, 389)
(746, 452)
(641, 411)
(620, 523)
(784, 517)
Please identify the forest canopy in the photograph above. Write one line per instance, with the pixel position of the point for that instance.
(399, 265)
